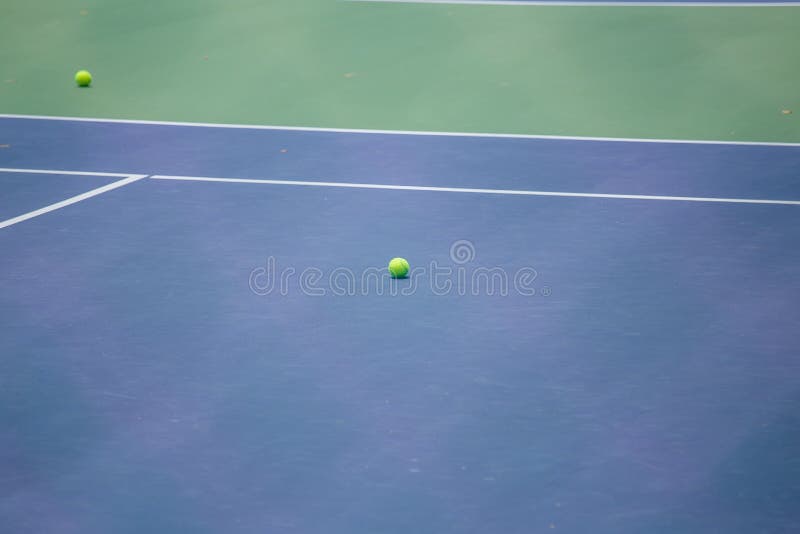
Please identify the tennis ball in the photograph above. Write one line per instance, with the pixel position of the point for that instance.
(83, 78)
(398, 268)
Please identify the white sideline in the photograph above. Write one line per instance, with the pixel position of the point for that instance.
(65, 173)
(471, 190)
(71, 200)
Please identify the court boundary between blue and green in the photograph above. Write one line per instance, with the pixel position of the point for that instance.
(764, 116)
(399, 132)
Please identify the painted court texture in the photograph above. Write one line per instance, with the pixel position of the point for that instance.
(638, 162)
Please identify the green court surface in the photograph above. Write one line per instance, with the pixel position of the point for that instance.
(652, 72)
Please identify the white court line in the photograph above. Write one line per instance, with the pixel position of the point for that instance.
(65, 173)
(469, 190)
(73, 200)
(563, 3)
(399, 132)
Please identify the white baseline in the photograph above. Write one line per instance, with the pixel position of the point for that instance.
(398, 132)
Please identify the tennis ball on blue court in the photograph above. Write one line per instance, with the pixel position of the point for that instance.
(398, 268)
(83, 78)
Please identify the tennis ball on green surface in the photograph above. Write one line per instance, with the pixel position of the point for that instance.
(398, 268)
(83, 78)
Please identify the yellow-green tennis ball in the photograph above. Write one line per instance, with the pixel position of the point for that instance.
(398, 268)
(83, 78)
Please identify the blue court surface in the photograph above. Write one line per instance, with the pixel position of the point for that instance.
(599, 336)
